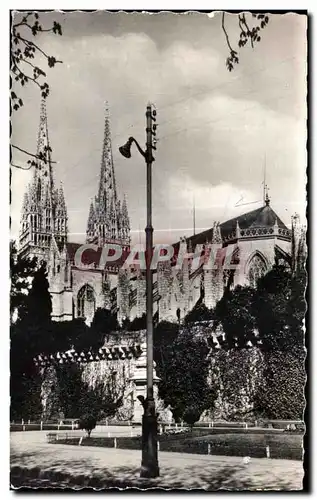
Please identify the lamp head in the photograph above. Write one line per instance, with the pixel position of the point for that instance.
(125, 150)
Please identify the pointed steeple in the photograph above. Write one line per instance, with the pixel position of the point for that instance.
(216, 234)
(43, 203)
(125, 218)
(107, 183)
(105, 220)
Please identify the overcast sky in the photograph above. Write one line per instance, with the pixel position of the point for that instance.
(216, 129)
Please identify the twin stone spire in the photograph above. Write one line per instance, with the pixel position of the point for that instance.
(44, 212)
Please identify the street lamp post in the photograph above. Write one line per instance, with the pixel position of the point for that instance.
(149, 465)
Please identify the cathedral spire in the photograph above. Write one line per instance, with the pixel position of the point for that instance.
(44, 208)
(105, 220)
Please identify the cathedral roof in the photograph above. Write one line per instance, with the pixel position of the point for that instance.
(263, 217)
(91, 256)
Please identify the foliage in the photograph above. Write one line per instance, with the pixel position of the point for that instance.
(29, 335)
(184, 378)
(24, 51)
(280, 309)
(70, 389)
(238, 374)
(104, 322)
(78, 397)
(248, 33)
(21, 274)
(269, 317)
(25, 390)
(234, 312)
(281, 396)
(164, 334)
(198, 313)
(138, 324)
(30, 332)
(191, 415)
(88, 423)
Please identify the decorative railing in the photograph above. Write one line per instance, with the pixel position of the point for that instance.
(104, 353)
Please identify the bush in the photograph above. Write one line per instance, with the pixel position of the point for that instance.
(88, 423)
(191, 416)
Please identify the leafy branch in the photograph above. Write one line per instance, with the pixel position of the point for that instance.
(23, 52)
(248, 34)
(24, 49)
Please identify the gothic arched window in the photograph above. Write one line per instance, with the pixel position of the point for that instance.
(86, 302)
(39, 190)
(257, 269)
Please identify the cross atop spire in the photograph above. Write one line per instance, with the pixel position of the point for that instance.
(266, 195)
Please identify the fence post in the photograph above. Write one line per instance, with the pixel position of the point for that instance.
(24, 427)
(256, 423)
(80, 440)
(72, 425)
(212, 424)
(131, 432)
(22, 422)
(114, 442)
(158, 446)
(107, 422)
(176, 425)
(246, 425)
(209, 447)
(182, 423)
(267, 452)
(58, 427)
(29, 421)
(41, 425)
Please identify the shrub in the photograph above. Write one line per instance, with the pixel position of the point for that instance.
(191, 416)
(88, 423)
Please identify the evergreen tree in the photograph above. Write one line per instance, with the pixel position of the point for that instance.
(21, 274)
(30, 336)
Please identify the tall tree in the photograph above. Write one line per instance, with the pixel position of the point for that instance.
(184, 384)
(21, 275)
(30, 336)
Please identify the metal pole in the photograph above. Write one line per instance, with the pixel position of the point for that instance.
(149, 466)
(149, 247)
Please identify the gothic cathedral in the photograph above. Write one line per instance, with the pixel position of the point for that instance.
(260, 235)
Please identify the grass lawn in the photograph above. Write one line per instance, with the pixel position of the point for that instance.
(281, 445)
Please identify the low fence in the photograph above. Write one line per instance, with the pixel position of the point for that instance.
(72, 424)
(199, 447)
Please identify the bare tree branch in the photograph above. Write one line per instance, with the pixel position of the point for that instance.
(28, 153)
(21, 168)
(225, 32)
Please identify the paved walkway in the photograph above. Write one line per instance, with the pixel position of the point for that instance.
(30, 450)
